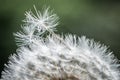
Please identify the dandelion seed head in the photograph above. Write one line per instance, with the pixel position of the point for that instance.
(56, 57)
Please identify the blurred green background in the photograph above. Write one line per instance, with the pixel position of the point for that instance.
(96, 19)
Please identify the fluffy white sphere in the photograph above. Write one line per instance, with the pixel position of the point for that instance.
(44, 55)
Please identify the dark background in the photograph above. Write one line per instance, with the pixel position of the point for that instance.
(96, 19)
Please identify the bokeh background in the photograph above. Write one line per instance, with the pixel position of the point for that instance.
(96, 19)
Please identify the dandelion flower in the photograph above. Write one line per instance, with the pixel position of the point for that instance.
(44, 55)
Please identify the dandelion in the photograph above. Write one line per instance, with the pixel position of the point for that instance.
(44, 55)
